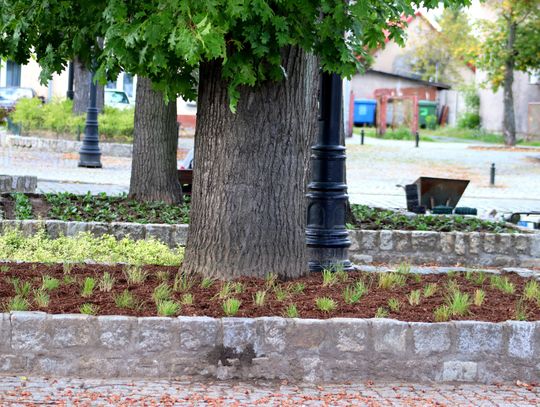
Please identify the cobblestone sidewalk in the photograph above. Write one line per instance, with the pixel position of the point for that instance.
(22, 391)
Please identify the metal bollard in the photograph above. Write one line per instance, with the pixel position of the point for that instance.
(492, 175)
(417, 139)
(362, 137)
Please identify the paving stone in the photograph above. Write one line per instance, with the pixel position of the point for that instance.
(271, 335)
(198, 333)
(477, 337)
(116, 332)
(56, 228)
(29, 331)
(425, 241)
(75, 228)
(386, 240)
(71, 330)
(5, 332)
(158, 232)
(389, 336)
(122, 230)
(239, 333)
(156, 333)
(459, 371)
(431, 338)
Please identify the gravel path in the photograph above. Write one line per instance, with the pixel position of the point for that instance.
(21, 391)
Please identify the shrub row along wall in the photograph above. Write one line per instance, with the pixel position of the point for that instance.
(65, 146)
(471, 249)
(391, 246)
(34, 343)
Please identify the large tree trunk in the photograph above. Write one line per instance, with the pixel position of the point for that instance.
(81, 89)
(154, 172)
(509, 121)
(248, 213)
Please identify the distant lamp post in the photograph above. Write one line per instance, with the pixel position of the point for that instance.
(89, 154)
(326, 235)
(70, 94)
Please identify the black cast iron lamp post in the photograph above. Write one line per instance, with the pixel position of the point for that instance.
(89, 154)
(327, 237)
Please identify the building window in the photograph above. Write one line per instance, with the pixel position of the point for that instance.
(128, 84)
(13, 74)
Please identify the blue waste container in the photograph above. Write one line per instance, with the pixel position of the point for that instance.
(364, 112)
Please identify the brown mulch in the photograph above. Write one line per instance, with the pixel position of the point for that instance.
(497, 306)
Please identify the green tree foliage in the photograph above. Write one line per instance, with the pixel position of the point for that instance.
(496, 52)
(166, 40)
(441, 55)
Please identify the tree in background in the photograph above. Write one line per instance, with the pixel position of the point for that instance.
(57, 32)
(510, 43)
(442, 55)
(258, 64)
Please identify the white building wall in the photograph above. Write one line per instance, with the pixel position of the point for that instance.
(492, 107)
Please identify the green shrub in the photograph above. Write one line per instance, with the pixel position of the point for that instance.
(105, 249)
(431, 122)
(57, 117)
(469, 120)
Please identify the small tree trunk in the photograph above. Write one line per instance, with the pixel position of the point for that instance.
(509, 121)
(81, 89)
(248, 213)
(154, 172)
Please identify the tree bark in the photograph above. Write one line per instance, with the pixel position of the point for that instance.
(81, 89)
(509, 120)
(154, 172)
(248, 213)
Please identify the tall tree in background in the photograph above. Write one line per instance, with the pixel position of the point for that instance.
(81, 88)
(510, 43)
(258, 59)
(441, 55)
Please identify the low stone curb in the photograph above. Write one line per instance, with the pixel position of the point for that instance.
(339, 349)
(368, 246)
(65, 146)
(18, 183)
(446, 248)
(171, 235)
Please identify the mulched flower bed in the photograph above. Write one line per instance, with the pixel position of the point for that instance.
(365, 217)
(103, 208)
(403, 295)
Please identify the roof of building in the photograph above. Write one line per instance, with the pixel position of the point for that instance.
(438, 85)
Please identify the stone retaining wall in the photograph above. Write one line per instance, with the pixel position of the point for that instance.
(368, 246)
(64, 146)
(340, 349)
(18, 183)
(172, 235)
(471, 249)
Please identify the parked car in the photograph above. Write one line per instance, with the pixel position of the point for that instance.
(117, 99)
(9, 97)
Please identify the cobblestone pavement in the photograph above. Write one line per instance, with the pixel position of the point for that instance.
(22, 391)
(373, 171)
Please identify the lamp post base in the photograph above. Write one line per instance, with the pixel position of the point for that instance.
(334, 258)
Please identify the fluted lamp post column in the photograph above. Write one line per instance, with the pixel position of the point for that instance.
(90, 154)
(327, 237)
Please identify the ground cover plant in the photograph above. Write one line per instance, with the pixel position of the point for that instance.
(103, 208)
(85, 247)
(150, 290)
(366, 217)
(92, 208)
